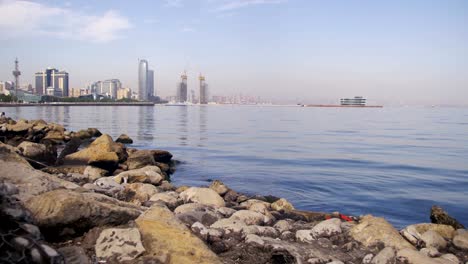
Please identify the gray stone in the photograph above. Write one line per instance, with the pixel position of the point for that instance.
(450, 257)
(119, 244)
(254, 239)
(304, 236)
(148, 174)
(433, 239)
(94, 173)
(106, 183)
(225, 211)
(264, 231)
(203, 196)
(250, 217)
(282, 225)
(430, 252)
(74, 255)
(327, 228)
(367, 259)
(411, 256)
(385, 256)
(461, 239)
(170, 199)
(219, 187)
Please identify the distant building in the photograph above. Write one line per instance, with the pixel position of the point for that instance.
(356, 101)
(52, 78)
(203, 90)
(151, 93)
(124, 93)
(75, 92)
(143, 80)
(107, 88)
(182, 89)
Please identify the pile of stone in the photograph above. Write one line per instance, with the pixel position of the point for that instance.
(97, 200)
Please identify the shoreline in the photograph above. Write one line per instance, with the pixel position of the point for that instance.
(78, 104)
(79, 189)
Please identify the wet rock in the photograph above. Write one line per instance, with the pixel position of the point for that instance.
(94, 173)
(433, 239)
(372, 230)
(94, 132)
(411, 256)
(439, 216)
(282, 204)
(74, 255)
(170, 199)
(125, 139)
(143, 192)
(140, 159)
(203, 196)
(162, 234)
(461, 239)
(385, 256)
(119, 244)
(304, 236)
(162, 156)
(148, 174)
(327, 228)
(219, 187)
(38, 152)
(60, 209)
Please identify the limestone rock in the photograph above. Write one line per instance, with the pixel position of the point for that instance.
(249, 217)
(254, 239)
(141, 158)
(143, 192)
(194, 212)
(433, 239)
(203, 196)
(446, 231)
(119, 244)
(282, 226)
(170, 241)
(74, 255)
(94, 173)
(411, 256)
(79, 211)
(264, 231)
(107, 183)
(304, 236)
(225, 211)
(170, 199)
(327, 228)
(148, 174)
(282, 204)
(22, 126)
(219, 187)
(385, 256)
(439, 216)
(125, 139)
(461, 239)
(372, 230)
(38, 152)
(229, 225)
(450, 257)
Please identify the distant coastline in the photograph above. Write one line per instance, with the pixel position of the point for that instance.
(353, 106)
(79, 104)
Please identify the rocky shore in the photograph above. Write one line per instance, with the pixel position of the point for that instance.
(81, 197)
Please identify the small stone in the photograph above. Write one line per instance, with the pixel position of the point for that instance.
(433, 239)
(304, 236)
(282, 204)
(219, 187)
(385, 256)
(32, 230)
(430, 252)
(367, 259)
(254, 239)
(282, 225)
(125, 139)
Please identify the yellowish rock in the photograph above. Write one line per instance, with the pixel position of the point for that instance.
(282, 204)
(169, 240)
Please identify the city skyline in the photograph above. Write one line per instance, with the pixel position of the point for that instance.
(391, 52)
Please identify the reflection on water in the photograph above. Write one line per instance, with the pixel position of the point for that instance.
(354, 161)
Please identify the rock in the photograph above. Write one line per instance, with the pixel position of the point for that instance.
(94, 132)
(166, 186)
(433, 239)
(190, 207)
(107, 183)
(219, 187)
(82, 134)
(416, 230)
(193, 212)
(252, 202)
(367, 259)
(74, 255)
(119, 244)
(203, 196)
(264, 231)
(254, 239)
(304, 236)
(327, 228)
(170, 199)
(148, 174)
(71, 147)
(162, 156)
(411, 256)
(385, 256)
(32, 230)
(461, 239)
(140, 159)
(125, 139)
(229, 225)
(450, 257)
(231, 196)
(372, 230)
(282, 226)
(102, 153)
(38, 152)
(430, 252)
(170, 241)
(181, 189)
(22, 126)
(94, 173)
(206, 233)
(439, 216)
(59, 209)
(249, 217)
(143, 192)
(282, 204)
(225, 211)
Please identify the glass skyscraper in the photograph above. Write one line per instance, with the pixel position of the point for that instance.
(143, 80)
(52, 78)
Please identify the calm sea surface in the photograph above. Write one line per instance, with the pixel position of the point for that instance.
(390, 162)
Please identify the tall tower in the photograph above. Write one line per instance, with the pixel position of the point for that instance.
(16, 73)
(143, 80)
(182, 89)
(203, 90)
(150, 79)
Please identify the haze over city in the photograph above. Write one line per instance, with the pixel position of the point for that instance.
(391, 52)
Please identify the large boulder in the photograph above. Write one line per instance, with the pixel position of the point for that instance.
(203, 196)
(102, 153)
(372, 230)
(119, 244)
(38, 152)
(411, 256)
(22, 126)
(170, 241)
(59, 209)
(148, 174)
(140, 159)
(461, 239)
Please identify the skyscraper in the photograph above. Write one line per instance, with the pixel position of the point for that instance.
(182, 89)
(150, 91)
(203, 90)
(143, 80)
(52, 78)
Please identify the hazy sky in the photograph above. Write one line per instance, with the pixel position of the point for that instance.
(398, 51)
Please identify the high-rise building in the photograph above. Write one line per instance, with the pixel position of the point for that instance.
(124, 93)
(107, 88)
(150, 91)
(52, 78)
(182, 89)
(143, 80)
(203, 90)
